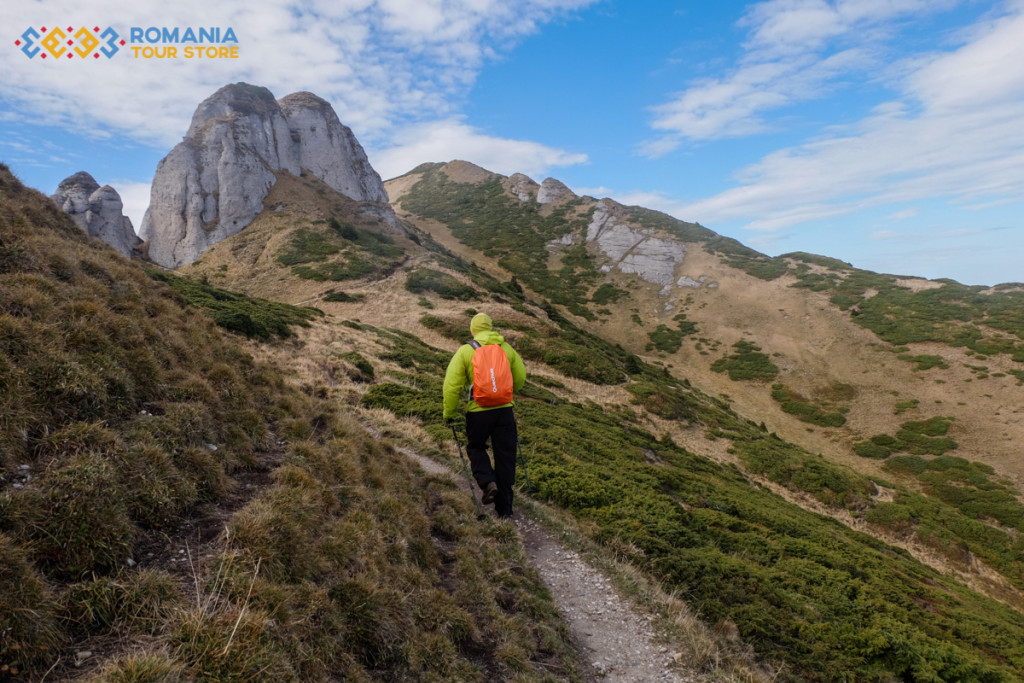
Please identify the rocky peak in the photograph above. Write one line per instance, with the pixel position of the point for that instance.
(97, 210)
(236, 99)
(322, 139)
(76, 189)
(522, 186)
(213, 183)
(552, 190)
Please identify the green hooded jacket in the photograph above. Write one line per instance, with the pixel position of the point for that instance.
(460, 369)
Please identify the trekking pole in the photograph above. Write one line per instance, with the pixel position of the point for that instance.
(529, 486)
(465, 468)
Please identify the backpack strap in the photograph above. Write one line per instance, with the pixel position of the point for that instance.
(475, 345)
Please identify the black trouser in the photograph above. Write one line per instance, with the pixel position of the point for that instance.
(498, 425)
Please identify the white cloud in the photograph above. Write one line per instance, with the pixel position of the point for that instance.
(135, 197)
(934, 141)
(797, 51)
(379, 62)
(452, 139)
(792, 25)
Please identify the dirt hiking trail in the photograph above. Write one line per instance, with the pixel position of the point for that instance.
(614, 639)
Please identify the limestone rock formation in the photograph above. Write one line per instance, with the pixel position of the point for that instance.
(323, 140)
(99, 211)
(522, 186)
(634, 250)
(552, 190)
(213, 183)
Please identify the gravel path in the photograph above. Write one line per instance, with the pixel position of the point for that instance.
(615, 641)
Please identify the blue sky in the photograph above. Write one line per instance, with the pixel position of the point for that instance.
(886, 133)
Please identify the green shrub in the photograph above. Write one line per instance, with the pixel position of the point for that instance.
(916, 437)
(456, 331)
(665, 339)
(607, 294)
(933, 426)
(925, 361)
(870, 449)
(423, 280)
(352, 268)
(364, 367)
(344, 297)
(661, 401)
(795, 404)
(306, 246)
(950, 313)
(252, 317)
(747, 363)
(346, 230)
(514, 233)
(904, 406)
(571, 359)
(965, 485)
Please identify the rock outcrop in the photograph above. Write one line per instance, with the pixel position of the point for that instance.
(213, 183)
(552, 190)
(323, 141)
(522, 186)
(99, 211)
(634, 250)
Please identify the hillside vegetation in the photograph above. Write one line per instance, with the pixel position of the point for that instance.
(131, 547)
(834, 604)
(353, 564)
(802, 588)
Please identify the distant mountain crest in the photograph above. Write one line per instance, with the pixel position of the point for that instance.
(97, 210)
(552, 190)
(213, 183)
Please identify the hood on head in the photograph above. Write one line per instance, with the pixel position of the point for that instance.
(481, 323)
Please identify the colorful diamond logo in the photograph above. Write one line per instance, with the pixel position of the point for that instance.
(56, 42)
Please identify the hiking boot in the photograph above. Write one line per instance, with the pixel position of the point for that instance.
(489, 493)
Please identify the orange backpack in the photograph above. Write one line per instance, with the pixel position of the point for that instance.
(492, 375)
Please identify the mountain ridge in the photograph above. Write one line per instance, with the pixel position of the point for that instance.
(774, 437)
(727, 261)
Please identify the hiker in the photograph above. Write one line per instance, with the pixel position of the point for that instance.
(489, 415)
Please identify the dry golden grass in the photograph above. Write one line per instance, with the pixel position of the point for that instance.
(132, 413)
(247, 262)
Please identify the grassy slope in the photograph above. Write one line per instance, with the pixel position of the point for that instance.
(802, 588)
(827, 601)
(817, 345)
(578, 470)
(311, 242)
(833, 383)
(128, 415)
